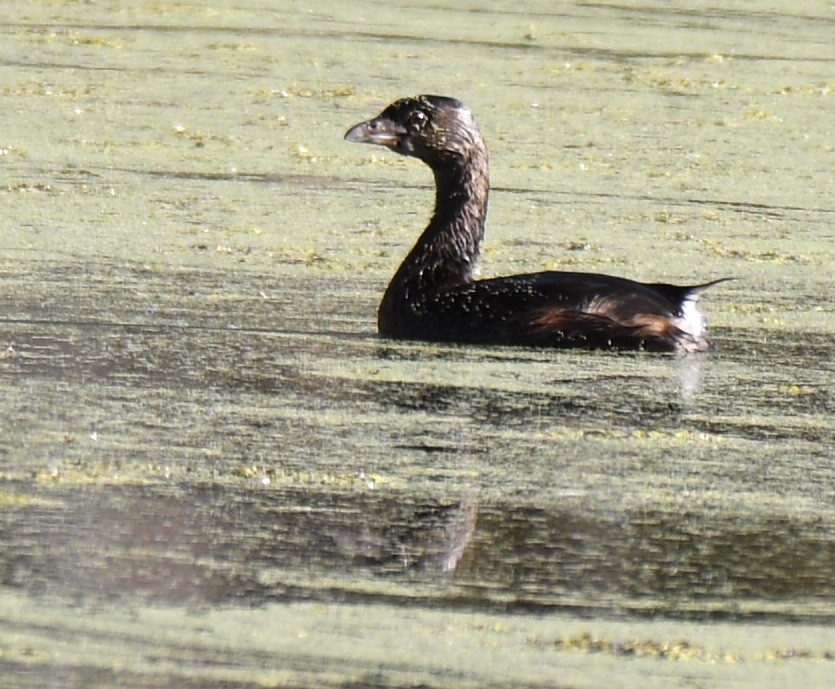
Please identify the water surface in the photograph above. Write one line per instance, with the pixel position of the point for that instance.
(214, 473)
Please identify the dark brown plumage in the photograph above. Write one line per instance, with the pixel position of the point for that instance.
(434, 296)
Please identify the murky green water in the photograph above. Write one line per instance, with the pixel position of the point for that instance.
(212, 473)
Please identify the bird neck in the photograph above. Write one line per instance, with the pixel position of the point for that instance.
(448, 249)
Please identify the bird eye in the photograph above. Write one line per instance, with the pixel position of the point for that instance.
(417, 121)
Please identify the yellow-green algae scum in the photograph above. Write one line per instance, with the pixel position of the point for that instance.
(214, 474)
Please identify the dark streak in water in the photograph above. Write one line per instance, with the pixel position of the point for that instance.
(358, 35)
(389, 187)
(192, 547)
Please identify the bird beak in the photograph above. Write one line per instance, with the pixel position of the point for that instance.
(381, 131)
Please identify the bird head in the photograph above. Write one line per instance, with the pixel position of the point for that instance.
(438, 130)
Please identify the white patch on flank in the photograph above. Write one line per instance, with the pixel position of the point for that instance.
(691, 320)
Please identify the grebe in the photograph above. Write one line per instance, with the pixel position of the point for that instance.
(433, 295)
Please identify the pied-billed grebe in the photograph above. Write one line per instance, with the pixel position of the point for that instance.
(433, 296)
